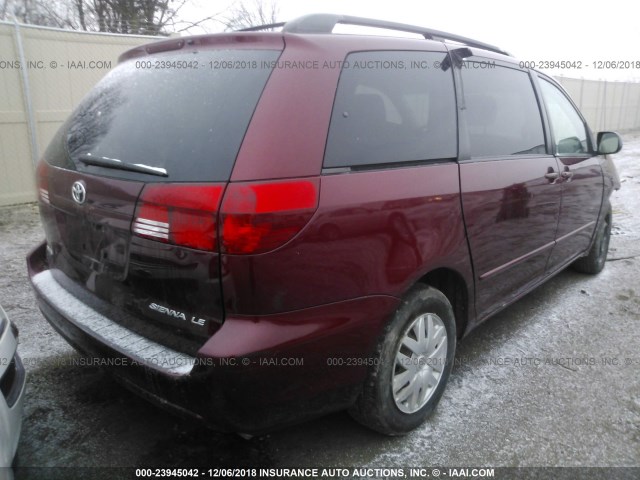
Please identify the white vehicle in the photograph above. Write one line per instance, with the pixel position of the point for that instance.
(12, 381)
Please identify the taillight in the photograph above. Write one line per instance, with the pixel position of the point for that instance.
(180, 214)
(260, 216)
(43, 182)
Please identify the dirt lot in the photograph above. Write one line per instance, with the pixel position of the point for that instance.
(576, 402)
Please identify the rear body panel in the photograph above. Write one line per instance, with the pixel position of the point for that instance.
(362, 241)
(144, 114)
(90, 245)
(273, 354)
(408, 219)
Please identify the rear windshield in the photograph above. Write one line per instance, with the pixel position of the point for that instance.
(186, 113)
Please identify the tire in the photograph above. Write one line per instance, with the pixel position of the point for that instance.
(383, 404)
(594, 261)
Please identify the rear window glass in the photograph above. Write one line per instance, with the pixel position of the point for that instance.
(392, 107)
(186, 113)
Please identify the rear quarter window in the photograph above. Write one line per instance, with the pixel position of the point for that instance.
(392, 107)
(182, 112)
(502, 113)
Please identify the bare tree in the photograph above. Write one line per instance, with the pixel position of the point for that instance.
(4, 6)
(251, 13)
(38, 12)
(144, 17)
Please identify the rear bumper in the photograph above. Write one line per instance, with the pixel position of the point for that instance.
(253, 374)
(12, 382)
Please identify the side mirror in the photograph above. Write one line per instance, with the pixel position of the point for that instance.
(608, 143)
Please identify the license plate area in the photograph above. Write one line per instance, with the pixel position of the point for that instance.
(97, 246)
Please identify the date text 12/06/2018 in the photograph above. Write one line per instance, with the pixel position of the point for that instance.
(580, 65)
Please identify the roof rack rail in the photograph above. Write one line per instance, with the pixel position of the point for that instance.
(258, 28)
(326, 22)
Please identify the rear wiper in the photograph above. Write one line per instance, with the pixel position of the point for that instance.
(107, 162)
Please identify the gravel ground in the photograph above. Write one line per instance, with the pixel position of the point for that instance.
(551, 381)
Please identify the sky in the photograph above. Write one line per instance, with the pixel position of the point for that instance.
(539, 31)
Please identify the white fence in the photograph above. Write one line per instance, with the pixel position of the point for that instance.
(44, 73)
(606, 105)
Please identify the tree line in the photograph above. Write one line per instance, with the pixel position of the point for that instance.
(139, 17)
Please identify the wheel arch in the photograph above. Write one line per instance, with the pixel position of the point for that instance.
(605, 215)
(452, 284)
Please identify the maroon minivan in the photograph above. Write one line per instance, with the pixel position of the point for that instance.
(257, 227)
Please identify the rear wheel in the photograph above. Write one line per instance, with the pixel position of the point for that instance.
(414, 360)
(594, 261)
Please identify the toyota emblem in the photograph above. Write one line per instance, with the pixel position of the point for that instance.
(79, 192)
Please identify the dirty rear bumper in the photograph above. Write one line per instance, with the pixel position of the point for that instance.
(253, 374)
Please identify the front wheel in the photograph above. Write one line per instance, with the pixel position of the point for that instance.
(594, 261)
(414, 360)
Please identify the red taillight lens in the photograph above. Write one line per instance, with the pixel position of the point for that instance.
(43, 182)
(258, 217)
(181, 214)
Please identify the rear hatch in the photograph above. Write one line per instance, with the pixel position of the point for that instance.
(131, 184)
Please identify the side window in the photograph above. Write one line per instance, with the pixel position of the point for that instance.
(392, 107)
(568, 129)
(503, 117)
